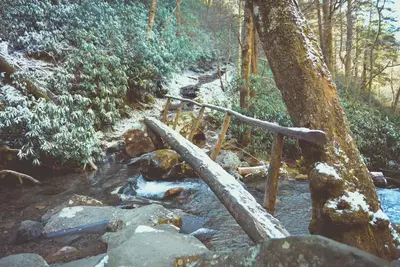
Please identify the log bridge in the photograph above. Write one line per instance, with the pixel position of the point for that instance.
(251, 216)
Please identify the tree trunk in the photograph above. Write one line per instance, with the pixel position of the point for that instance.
(320, 31)
(349, 41)
(246, 56)
(345, 204)
(151, 17)
(178, 17)
(396, 100)
(357, 56)
(239, 60)
(328, 34)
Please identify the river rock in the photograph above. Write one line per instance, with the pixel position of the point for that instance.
(228, 160)
(151, 246)
(75, 200)
(84, 219)
(22, 260)
(180, 171)
(138, 142)
(379, 179)
(290, 251)
(157, 164)
(150, 215)
(95, 261)
(66, 253)
(173, 192)
(28, 230)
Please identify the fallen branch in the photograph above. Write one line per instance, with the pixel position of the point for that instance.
(247, 170)
(19, 176)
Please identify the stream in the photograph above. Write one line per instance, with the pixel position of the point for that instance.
(209, 221)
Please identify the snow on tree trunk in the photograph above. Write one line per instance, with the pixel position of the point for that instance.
(345, 204)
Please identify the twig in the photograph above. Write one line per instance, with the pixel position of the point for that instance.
(19, 176)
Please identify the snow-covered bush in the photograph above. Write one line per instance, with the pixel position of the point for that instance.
(102, 56)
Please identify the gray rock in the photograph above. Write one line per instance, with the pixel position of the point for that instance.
(28, 230)
(83, 219)
(294, 251)
(23, 260)
(147, 215)
(87, 262)
(75, 200)
(153, 247)
(228, 160)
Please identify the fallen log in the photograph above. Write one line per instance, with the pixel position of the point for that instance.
(19, 176)
(250, 215)
(246, 170)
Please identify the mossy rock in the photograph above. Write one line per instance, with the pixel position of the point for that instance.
(177, 221)
(157, 164)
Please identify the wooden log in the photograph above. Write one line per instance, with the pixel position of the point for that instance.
(251, 216)
(271, 186)
(247, 170)
(221, 137)
(178, 114)
(312, 136)
(165, 112)
(196, 123)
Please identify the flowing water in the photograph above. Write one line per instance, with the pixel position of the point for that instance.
(208, 220)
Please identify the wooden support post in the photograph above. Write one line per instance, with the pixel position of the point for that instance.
(221, 137)
(165, 113)
(196, 123)
(271, 186)
(253, 218)
(178, 114)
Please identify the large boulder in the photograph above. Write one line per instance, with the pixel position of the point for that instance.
(154, 246)
(95, 261)
(22, 260)
(75, 200)
(290, 251)
(157, 164)
(138, 142)
(84, 219)
(150, 215)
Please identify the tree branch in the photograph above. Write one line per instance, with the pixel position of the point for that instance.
(18, 175)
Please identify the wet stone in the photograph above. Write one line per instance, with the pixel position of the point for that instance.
(24, 259)
(28, 230)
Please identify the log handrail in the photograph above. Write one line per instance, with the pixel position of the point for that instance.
(312, 136)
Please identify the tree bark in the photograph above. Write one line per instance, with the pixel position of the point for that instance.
(349, 41)
(151, 17)
(240, 25)
(396, 100)
(328, 34)
(246, 55)
(345, 204)
(320, 31)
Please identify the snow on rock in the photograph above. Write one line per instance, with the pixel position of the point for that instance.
(146, 229)
(356, 200)
(379, 215)
(324, 168)
(69, 212)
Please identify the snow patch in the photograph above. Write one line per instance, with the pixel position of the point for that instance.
(379, 215)
(69, 212)
(147, 229)
(201, 231)
(103, 262)
(356, 200)
(115, 191)
(324, 168)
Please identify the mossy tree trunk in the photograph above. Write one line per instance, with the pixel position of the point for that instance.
(151, 17)
(345, 204)
(328, 34)
(349, 41)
